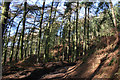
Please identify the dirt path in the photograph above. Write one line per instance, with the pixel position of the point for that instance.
(94, 67)
(88, 68)
(80, 70)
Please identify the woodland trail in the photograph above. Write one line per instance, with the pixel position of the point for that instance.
(80, 70)
(95, 65)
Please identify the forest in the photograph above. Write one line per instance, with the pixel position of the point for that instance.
(50, 39)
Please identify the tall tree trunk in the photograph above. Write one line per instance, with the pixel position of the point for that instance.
(113, 15)
(63, 41)
(68, 12)
(88, 31)
(47, 44)
(54, 15)
(31, 44)
(6, 47)
(27, 44)
(117, 41)
(4, 16)
(52, 27)
(73, 55)
(39, 39)
(69, 28)
(33, 28)
(115, 24)
(13, 44)
(76, 47)
(23, 29)
(17, 50)
(84, 38)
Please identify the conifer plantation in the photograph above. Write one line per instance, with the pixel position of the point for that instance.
(50, 39)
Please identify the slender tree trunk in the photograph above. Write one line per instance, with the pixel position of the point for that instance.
(23, 29)
(53, 23)
(88, 32)
(31, 44)
(76, 47)
(73, 55)
(6, 44)
(84, 38)
(69, 27)
(32, 32)
(6, 48)
(63, 41)
(73, 47)
(27, 44)
(40, 27)
(68, 11)
(54, 15)
(17, 50)
(26, 47)
(47, 44)
(115, 25)
(13, 44)
(4, 16)
(111, 18)
(113, 15)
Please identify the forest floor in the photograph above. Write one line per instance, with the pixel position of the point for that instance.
(100, 64)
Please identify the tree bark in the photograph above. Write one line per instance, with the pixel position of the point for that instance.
(47, 44)
(39, 39)
(84, 38)
(12, 49)
(88, 32)
(23, 29)
(17, 50)
(77, 53)
(113, 15)
(4, 16)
